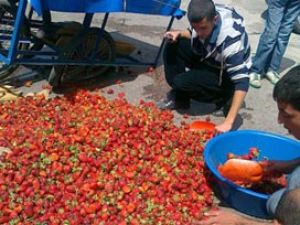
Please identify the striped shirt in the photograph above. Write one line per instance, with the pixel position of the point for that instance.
(227, 48)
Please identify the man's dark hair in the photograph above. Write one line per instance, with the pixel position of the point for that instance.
(287, 88)
(200, 9)
(288, 208)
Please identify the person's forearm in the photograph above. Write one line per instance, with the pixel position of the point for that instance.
(237, 101)
(246, 221)
(225, 216)
(286, 166)
(292, 165)
(243, 220)
(185, 34)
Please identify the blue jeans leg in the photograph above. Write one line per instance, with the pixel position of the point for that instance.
(274, 200)
(286, 28)
(293, 182)
(294, 179)
(268, 38)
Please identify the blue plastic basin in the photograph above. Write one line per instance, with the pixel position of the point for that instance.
(272, 146)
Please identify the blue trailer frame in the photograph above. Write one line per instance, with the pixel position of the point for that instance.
(162, 7)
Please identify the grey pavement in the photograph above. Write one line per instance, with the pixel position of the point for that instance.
(146, 31)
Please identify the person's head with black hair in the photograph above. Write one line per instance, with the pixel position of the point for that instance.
(287, 95)
(288, 89)
(201, 9)
(202, 16)
(288, 209)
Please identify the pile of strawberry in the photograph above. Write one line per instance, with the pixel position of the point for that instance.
(81, 159)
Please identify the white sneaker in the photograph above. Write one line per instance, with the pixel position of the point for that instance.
(272, 76)
(255, 80)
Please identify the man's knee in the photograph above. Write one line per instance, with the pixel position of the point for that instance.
(273, 201)
(180, 49)
(294, 179)
(288, 209)
(170, 51)
(182, 83)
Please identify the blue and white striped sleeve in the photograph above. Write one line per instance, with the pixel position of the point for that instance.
(238, 61)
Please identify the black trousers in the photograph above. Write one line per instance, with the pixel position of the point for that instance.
(201, 82)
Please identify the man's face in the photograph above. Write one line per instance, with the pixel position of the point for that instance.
(290, 118)
(204, 28)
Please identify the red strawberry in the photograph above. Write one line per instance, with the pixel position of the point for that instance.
(110, 91)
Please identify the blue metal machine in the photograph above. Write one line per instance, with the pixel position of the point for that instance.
(70, 45)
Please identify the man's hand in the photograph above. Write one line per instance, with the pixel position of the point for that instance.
(283, 166)
(172, 36)
(237, 101)
(223, 127)
(221, 217)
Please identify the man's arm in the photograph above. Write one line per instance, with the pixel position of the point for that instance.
(284, 166)
(228, 217)
(237, 60)
(237, 101)
(185, 34)
(174, 35)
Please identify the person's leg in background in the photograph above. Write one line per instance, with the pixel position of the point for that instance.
(267, 41)
(286, 28)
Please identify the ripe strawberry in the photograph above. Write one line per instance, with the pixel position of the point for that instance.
(230, 155)
(110, 91)
(254, 152)
(150, 69)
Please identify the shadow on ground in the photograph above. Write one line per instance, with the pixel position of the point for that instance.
(126, 68)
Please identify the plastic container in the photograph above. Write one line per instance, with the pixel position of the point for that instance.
(272, 146)
(202, 125)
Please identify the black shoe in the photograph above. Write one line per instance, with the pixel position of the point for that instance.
(173, 104)
(174, 100)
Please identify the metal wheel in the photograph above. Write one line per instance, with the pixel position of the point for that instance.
(70, 73)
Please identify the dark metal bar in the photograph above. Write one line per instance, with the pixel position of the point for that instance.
(15, 38)
(88, 20)
(40, 61)
(99, 36)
